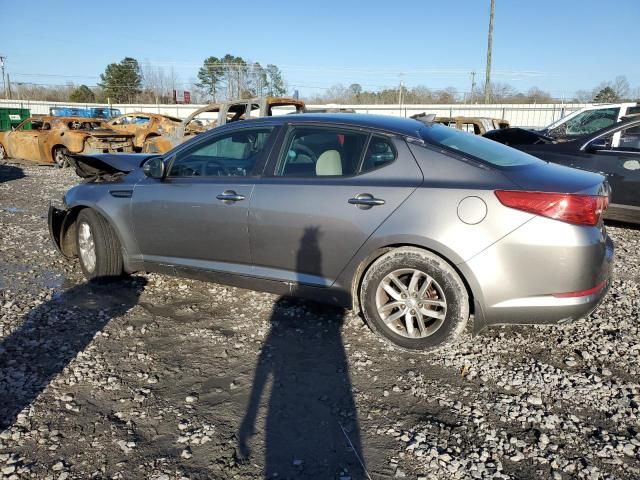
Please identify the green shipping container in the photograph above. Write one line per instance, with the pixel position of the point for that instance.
(12, 117)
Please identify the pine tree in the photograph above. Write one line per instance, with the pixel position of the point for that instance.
(121, 82)
(82, 94)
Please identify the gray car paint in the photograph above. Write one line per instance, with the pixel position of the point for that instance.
(512, 261)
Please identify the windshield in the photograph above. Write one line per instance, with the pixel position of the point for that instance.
(591, 121)
(475, 146)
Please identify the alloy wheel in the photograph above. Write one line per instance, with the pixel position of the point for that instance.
(411, 303)
(87, 246)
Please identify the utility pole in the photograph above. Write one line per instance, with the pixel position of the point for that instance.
(400, 98)
(473, 86)
(487, 82)
(4, 82)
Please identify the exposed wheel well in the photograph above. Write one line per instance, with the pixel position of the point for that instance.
(53, 151)
(366, 263)
(68, 232)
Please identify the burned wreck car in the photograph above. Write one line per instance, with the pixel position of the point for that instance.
(217, 114)
(50, 139)
(145, 126)
(475, 125)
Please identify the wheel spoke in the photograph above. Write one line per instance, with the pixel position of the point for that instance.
(413, 283)
(401, 286)
(389, 306)
(420, 322)
(408, 321)
(394, 316)
(391, 292)
(435, 303)
(425, 286)
(432, 313)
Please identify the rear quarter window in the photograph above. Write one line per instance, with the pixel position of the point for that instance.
(476, 147)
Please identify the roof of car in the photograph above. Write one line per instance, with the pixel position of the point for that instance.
(398, 125)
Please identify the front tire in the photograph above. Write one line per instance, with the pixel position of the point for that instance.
(414, 299)
(98, 246)
(3, 153)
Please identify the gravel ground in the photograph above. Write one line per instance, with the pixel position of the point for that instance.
(158, 377)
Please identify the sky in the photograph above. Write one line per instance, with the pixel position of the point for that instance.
(558, 45)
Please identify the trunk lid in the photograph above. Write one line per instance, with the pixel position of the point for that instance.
(551, 177)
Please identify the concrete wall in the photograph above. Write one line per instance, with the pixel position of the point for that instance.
(518, 115)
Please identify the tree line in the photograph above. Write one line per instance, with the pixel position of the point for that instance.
(130, 81)
(230, 76)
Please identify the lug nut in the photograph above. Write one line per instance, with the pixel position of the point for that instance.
(403, 296)
(413, 312)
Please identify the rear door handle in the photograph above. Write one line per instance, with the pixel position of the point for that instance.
(229, 196)
(366, 201)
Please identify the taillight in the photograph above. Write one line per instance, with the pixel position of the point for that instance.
(566, 207)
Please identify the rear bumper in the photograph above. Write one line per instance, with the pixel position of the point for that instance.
(528, 276)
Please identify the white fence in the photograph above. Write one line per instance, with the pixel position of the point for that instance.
(518, 115)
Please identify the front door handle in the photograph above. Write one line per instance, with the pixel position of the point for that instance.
(229, 196)
(365, 201)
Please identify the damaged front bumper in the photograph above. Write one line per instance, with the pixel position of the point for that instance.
(60, 223)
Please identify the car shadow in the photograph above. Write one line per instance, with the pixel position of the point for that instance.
(311, 427)
(52, 334)
(620, 224)
(10, 172)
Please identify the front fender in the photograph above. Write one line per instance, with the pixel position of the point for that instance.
(113, 202)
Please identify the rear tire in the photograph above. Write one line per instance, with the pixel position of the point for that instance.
(414, 299)
(60, 156)
(98, 246)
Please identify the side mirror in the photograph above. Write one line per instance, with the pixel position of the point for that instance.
(597, 145)
(154, 168)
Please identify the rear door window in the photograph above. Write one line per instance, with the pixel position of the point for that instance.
(380, 152)
(321, 151)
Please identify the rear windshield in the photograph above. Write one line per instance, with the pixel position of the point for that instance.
(476, 146)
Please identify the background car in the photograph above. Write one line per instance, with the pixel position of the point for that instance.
(613, 151)
(585, 121)
(415, 225)
(89, 112)
(52, 139)
(145, 126)
(218, 114)
(475, 125)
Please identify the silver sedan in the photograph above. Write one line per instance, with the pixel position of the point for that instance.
(418, 226)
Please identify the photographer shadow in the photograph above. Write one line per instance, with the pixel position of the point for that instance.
(311, 423)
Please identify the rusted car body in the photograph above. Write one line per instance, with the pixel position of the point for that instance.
(144, 126)
(217, 114)
(48, 139)
(475, 125)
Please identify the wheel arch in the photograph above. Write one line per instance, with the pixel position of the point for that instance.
(364, 264)
(68, 230)
(52, 151)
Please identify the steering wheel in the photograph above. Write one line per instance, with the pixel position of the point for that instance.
(305, 150)
(220, 167)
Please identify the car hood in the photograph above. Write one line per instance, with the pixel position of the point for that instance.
(96, 166)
